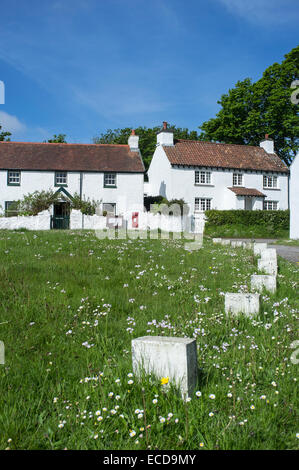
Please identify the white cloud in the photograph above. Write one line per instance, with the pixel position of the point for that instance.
(267, 12)
(11, 123)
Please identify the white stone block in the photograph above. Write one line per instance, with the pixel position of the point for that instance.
(259, 247)
(236, 243)
(269, 266)
(269, 254)
(259, 281)
(248, 245)
(225, 242)
(217, 240)
(249, 304)
(161, 356)
(2, 353)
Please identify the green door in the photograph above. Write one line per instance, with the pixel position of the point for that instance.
(61, 216)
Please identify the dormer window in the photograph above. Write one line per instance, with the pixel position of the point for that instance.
(237, 179)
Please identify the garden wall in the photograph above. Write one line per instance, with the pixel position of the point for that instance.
(32, 222)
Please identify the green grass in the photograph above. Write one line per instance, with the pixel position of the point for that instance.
(70, 306)
(243, 231)
(287, 242)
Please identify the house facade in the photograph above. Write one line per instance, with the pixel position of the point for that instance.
(294, 198)
(218, 176)
(109, 174)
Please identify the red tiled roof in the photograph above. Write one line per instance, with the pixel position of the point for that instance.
(69, 157)
(210, 154)
(247, 192)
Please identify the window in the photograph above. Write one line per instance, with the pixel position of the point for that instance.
(11, 209)
(270, 181)
(202, 177)
(61, 178)
(13, 178)
(109, 208)
(270, 205)
(237, 179)
(110, 180)
(202, 204)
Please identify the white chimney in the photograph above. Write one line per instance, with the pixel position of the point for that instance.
(165, 136)
(133, 141)
(267, 144)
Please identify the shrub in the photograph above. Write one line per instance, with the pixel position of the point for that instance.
(36, 202)
(87, 207)
(151, 200)
(270, 221)
(158, 201)
(32, 204)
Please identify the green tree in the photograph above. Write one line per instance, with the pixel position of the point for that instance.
(4, 136)
(251, 110)
(58, 139)
(147, 138)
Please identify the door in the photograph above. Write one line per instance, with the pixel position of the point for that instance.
(248, 203)
(61, 216)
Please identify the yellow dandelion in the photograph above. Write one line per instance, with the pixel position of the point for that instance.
(164, 380)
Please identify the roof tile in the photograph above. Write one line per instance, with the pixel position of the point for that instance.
(69, 157)
(215, 155)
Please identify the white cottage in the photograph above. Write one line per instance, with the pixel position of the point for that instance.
(110, 174)
(211, 175)
(294, 198)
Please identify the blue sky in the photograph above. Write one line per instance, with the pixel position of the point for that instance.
(80, 67)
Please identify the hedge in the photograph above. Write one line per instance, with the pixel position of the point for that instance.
(278, 220)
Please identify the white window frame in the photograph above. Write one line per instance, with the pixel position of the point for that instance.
(110, 180)
(268, 206)
(60, 178)
(203, 177)
(238, 179)
(270, 182)
(202, 204)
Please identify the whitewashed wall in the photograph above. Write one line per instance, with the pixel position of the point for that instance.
(178, 182)
(160, 175)
(294, 199)
(127, 195)
(34, 222)
(146, 220)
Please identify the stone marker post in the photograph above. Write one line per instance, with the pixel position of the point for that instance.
(171, 357)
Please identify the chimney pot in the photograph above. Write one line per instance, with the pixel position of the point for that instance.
(164, 125)
(267, 136)
(133, 132)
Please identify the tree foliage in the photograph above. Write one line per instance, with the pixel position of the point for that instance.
(251, 110)
(58, 139)
(4, 136)
(147, 138)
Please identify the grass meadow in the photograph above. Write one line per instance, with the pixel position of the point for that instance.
(70, 306)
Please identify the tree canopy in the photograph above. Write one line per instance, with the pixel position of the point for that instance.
(147, 138)
(4, 136)
(251, 110)
(58, 139)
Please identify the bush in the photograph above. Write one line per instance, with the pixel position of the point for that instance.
(36, 202)
(158, 201)
(150, 200)
(87, 207)
(272, 220)
(39, 201)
